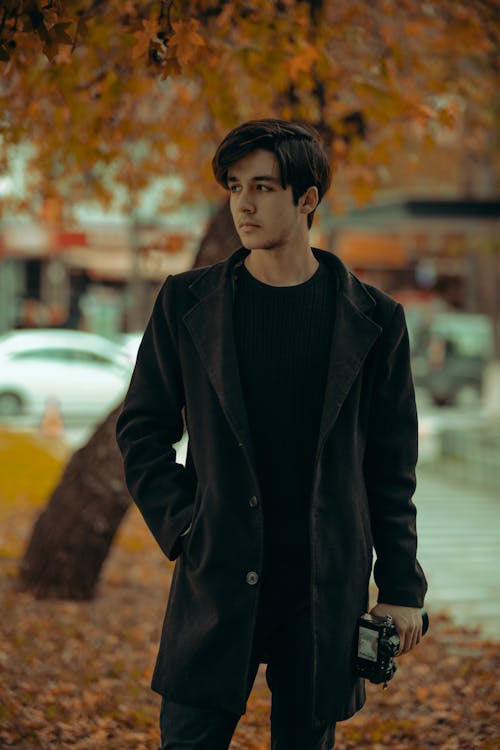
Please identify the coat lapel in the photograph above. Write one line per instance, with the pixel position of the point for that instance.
(210, 324)
(354, 334)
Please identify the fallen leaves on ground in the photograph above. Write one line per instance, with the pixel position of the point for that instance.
(76, 674)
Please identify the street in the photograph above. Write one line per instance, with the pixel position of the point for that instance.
(459, 549)
(458, 527)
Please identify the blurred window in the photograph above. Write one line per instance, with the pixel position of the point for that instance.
(63, 355)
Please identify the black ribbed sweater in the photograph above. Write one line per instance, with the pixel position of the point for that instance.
(283, 337)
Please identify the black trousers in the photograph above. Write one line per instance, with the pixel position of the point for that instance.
(287, 651)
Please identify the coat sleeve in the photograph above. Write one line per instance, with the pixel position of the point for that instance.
(390, 462)
(150, 423)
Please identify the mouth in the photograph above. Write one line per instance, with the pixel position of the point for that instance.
(247, 225)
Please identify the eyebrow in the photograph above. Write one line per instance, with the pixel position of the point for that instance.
(257, 178)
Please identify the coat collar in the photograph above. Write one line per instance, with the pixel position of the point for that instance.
(210, 324)
(354, 334)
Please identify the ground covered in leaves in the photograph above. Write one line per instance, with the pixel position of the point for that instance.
(76, 675)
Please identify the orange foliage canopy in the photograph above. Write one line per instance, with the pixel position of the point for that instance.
(113, 92)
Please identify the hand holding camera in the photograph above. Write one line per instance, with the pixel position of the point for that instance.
(407, 620)
(378, 642)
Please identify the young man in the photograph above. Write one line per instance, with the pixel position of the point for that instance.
(293, 380)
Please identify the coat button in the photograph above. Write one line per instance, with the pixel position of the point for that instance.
(252, 577)
(253, 502)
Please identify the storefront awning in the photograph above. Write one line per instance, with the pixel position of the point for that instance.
(365, 249)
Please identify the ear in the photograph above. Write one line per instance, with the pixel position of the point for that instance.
(309, 200)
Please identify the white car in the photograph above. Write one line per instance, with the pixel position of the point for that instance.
(130, 343)
(84, 374)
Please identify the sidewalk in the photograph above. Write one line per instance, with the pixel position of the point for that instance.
(459, 549)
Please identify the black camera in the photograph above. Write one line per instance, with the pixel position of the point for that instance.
(377, 645)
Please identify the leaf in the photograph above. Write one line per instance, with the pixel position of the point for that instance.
(58, 33)
(43, 32)
(170, 67)
(238, 60)
(81, 28)
(302, 63)
(50, 49)
(143, 38)
(422, 694)
(186, 40)
(225, 16)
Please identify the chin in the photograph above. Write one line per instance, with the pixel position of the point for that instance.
(261, 246)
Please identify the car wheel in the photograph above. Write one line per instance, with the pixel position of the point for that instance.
(11, 405)
(439, 400)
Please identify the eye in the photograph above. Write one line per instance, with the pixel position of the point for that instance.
(264, 188)
(234, 188)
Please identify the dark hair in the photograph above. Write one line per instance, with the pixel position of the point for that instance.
(298, 150)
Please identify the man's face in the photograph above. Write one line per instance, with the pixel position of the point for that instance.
(263, 211)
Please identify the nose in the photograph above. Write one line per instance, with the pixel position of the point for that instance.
(246, 204)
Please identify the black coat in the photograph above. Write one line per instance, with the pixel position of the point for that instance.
(364, 480)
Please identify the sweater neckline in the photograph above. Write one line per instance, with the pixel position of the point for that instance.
(317, 275)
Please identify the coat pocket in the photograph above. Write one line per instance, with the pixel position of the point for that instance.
(190, 532)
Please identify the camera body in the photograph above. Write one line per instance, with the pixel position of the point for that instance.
(377, 645)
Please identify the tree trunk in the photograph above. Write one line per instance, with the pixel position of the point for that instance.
(73, 535)
(220, 239)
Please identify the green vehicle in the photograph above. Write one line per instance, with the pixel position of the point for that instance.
(450, 356)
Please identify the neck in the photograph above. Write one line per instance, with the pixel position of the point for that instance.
(283, 267)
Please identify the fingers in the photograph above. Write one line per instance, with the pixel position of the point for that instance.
(408, 623)
(409, 636)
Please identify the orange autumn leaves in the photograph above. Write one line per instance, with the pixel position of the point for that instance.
(145, 90)
(173, 55)
(186, 40)
(76, 674)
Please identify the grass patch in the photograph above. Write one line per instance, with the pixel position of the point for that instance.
(33, 466)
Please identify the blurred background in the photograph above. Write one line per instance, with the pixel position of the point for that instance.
(110, 112)
(110, 115)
